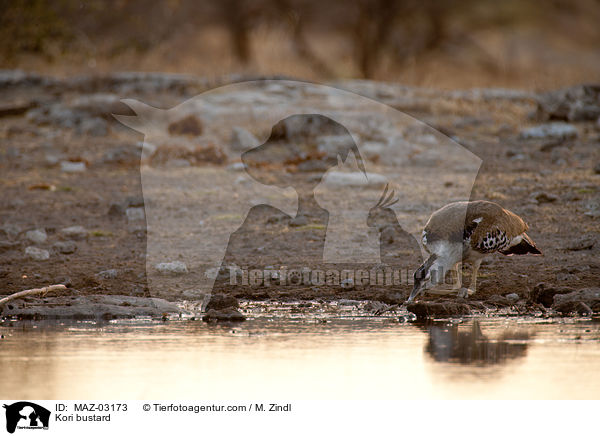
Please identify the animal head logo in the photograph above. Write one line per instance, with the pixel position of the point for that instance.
(26, 415)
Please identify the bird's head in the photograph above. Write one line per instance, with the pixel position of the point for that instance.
(422, 276)
(381, 215)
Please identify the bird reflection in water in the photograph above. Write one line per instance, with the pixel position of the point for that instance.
(449, 343)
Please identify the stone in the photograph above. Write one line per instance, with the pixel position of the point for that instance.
(227, 315)
(550, 130)
(597, 167)
(10, 230)
(37, 236)
(123, 155)
(35, 253)
(172, 268)
(298, 221)
(576, 103)
(56, 115)
(242, 139)
(65, 247)
(187, 126)
(93, 127)
(438, 309)
(355, 179)
(135, 214)
(72, 167)
(147, 149)
(237, 166)
(74, 232)
(221, 301)
(544, 295)
(98, 105)
(91, 307)
(108, 274)
(585, 242)
(543, 197)
(567, 303)
(513, 298)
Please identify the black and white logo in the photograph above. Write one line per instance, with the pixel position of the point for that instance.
(26, 415)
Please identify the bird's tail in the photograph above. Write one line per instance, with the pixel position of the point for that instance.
(524, 247)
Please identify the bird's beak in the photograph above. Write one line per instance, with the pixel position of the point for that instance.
(417, 288)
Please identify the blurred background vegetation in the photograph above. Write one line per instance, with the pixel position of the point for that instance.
(535, 44)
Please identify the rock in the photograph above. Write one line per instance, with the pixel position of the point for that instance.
(9, 245)
(438, 309)
(37, 236)
(597, 167)
(72, 167)
(221, 301)
(242, 139)
(544, 295)
(35, 253)
(237, 166)
(172, 268)
(550, 130)
(135, 214)
(499, 301)
(188, 126)
(567, 303)
(356, 179)
(56, 115)
(15, 108)
(52, 159)
(228, 315)
(10, 230)
(376, 307)
(585, 242)
(108, 274)
(543, 197)
(513, 298)
(91, 307)
(576, 103)
(122, 155)
(93, 127)
(298, 221)
(65, 247)
(98, 105)
(147, 149)
(74, 232)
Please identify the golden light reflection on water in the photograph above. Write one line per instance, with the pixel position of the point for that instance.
(343, 359)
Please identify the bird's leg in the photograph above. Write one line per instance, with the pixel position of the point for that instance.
(476, 266)
(458, 270)
(464, 292)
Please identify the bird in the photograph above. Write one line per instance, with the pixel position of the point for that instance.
(468, 231)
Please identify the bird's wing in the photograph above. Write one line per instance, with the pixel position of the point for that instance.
(492, 227)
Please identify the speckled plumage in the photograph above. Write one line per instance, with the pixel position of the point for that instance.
(469, 231)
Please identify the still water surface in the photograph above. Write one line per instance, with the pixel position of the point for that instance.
(301, 358)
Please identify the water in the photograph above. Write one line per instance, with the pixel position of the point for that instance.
(302, 358)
